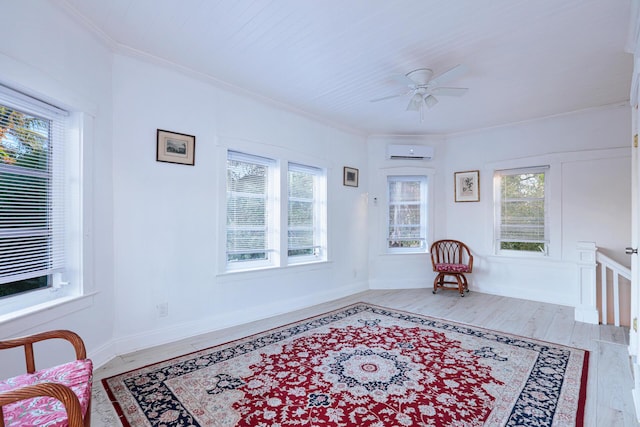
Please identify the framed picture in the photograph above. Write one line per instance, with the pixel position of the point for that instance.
(350, 177)
(175, 147)
(467, 186)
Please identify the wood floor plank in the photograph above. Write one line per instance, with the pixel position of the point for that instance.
(609, 402)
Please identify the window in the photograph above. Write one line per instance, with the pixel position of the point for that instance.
(407, 220)
(262, 224)
(521, 210)
(32, 194)
(307, 202)
(251, 210)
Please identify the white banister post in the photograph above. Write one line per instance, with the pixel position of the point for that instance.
(586, 310)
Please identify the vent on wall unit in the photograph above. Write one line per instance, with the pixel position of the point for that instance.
(412, 152)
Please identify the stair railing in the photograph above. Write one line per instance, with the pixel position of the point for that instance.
(618, 270)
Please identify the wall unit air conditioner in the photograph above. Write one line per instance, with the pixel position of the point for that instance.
(412, 152)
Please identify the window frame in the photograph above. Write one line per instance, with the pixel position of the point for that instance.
(271, 222)
(278, 233)
(319, 209)
(497, 211)
(425, 212)
(67, 284)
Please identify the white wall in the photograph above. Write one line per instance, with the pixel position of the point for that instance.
(401, 271)
(590, 192)
(137, 257)
(49, 56)
(168, 244)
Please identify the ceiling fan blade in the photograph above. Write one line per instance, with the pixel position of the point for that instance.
(449, 91)
(450, 74)
(389, 97)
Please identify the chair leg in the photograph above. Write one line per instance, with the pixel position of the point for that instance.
(466, 283)
(435, 283)
(460, 285)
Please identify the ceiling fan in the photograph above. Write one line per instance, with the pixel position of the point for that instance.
(424, 87)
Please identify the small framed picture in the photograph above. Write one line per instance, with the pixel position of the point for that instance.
(175, 147)
(467, 186)
(350, 177)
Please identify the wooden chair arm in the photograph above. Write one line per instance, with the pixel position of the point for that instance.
(58, 391)
(27, 343)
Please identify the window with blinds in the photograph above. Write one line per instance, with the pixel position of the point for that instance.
(250, 208)
(265, 201)
(521, 210)
(32, 225)
(407, 213)
(306, 200)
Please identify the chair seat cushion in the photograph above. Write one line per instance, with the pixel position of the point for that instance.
(452, 268)
(47, 411)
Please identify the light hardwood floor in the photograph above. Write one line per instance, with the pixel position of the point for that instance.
(609, 401)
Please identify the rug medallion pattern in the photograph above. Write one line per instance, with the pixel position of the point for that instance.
(362, 365)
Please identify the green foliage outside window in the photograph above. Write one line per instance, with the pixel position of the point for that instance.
(24, 139)
(522, 212)
(24, 187)
(21, 286)
(522, 246)
(301, 213)
(405, 209)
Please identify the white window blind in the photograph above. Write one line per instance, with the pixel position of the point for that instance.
(304, 216)
(32, 224)
(521, 209)
(407, 215)
(249, 207)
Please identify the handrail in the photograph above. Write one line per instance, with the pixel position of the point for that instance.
(617, 270)
(613, 265)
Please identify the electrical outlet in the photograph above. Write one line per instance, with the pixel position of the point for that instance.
(163, 309)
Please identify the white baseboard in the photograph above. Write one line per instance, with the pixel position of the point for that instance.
(102, 355)
(587, 315)
(636, 402)
(135, 342)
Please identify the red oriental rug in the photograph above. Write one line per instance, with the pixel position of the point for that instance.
(364, 366)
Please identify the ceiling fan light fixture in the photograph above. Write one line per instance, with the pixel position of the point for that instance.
(423, 87)
(430, 101)
(415, 102)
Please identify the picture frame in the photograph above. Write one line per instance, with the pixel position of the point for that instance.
(174, 147)
(467, 186)
(350, 177)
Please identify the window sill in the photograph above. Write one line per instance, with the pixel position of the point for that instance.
(523, 258)
(394, 253)
(312, 265)
(15, 322)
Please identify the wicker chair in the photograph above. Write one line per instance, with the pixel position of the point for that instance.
(59, 396)
(451, 258)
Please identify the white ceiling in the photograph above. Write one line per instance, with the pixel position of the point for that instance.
(525, 58)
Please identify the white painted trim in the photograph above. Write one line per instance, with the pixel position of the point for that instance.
(586, 315)
(618, 104)
(506, 290)
(102, 355)
(163, 335)
(78, 148)
(636, 402)
(33, 82)
(15, 323)
(400, 168)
